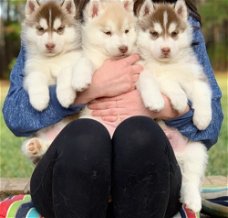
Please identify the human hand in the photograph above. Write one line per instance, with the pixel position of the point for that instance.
(129, 104)
(113, 78)
(116, 77)
(119, 107)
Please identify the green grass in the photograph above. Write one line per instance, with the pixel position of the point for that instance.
(14, 164)
(218, 154)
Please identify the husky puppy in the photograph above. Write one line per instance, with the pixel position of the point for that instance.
(171, 68)
(51, 36)
(108, 31)
(52, 39)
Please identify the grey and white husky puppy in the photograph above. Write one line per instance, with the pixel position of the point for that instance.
(171, 68)
(52, 39)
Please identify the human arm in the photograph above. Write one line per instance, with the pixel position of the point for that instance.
(114, 78)
(24, 120)
(19, 115)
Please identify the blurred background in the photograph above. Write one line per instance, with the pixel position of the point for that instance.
(215, 28)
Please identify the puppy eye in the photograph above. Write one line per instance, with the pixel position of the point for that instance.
(174, 34)
(40, 29)
(126, 31)
(60, 29)
(108, 33)
(154, 34)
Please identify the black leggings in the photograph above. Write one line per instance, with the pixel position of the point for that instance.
(84, 166)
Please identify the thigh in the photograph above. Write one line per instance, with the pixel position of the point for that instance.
(74, 171)
(41, 183)
(145, 171)
(175, 178)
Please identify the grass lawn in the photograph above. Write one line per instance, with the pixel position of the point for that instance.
(218, 154)
(14, 164)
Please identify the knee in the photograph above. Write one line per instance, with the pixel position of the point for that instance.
(85, 128)
(139, 135)
(83, 142)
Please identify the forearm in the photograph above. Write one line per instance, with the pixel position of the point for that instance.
(209, 136)
(22, 119)
(19, 115)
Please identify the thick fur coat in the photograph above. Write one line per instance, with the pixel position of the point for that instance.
(171, 68)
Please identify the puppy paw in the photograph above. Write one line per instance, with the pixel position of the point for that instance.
(195, 204)
(82, 75)
(40, 101)
(179, 102)
(192, 200)
(34, 148)
(152, 102)
(65, 96)
(80, 83)
(202, 119)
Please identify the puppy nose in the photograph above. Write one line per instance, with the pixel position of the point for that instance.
(123, 49)
(50, 46)
(165, 50)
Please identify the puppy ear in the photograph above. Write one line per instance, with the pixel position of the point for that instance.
(31, 7)
(69, 7)
(128, 5)
(92, 9)
(181, 9)
(146, 9)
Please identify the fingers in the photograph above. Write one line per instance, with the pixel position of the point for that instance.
(104, 103)
(127, 97)
(133, 72)
(135, 78)
(137, 68)
(134, 69)
(109, 118)
(113, 118)
(102, 113)
(121, 112)
(132, 59)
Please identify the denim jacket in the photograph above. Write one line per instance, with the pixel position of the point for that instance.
(23, 120)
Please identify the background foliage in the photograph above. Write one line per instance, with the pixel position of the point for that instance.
(215, 27)
(214, 24)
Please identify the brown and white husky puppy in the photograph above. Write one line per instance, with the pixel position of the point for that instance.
(51, 36)
(171, 68)
(52, 39)
(108, 31)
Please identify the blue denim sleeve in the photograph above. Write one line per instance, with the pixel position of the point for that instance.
(18, 113)
(184, 123)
